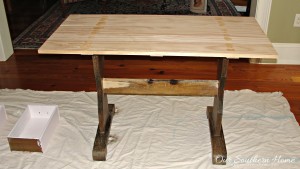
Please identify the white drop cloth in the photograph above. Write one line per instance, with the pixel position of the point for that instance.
(157, 132)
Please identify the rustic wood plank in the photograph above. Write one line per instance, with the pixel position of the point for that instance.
(105, 112)
(214, 115)
(160, 87)
(218, 145)
(98, 64)
(218, 99)
(101, 139)
(160, 35)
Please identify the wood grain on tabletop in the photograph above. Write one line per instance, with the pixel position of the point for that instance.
(160, 35)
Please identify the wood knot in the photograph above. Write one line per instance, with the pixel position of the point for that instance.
(150, 81)
(173, 82)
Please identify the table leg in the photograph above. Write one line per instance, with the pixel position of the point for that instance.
(214, 115)
(105, 112)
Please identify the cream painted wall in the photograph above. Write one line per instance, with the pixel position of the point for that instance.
(6, 49)
(280, 29)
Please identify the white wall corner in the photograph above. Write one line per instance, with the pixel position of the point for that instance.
(288, 53)
(262, 15)
(6, 48)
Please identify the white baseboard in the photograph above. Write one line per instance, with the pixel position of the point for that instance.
(288, 53)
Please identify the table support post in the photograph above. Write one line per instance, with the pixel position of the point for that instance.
(105, 112)
(214, 115)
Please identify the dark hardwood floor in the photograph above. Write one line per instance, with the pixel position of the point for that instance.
(27, 70)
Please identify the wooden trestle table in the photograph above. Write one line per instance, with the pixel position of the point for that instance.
(160, 36)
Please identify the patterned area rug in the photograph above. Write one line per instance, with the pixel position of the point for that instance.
(38, 32)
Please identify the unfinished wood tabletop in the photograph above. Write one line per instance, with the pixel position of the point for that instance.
(160, 35)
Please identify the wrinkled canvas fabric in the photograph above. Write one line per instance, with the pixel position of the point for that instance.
(158, 132)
